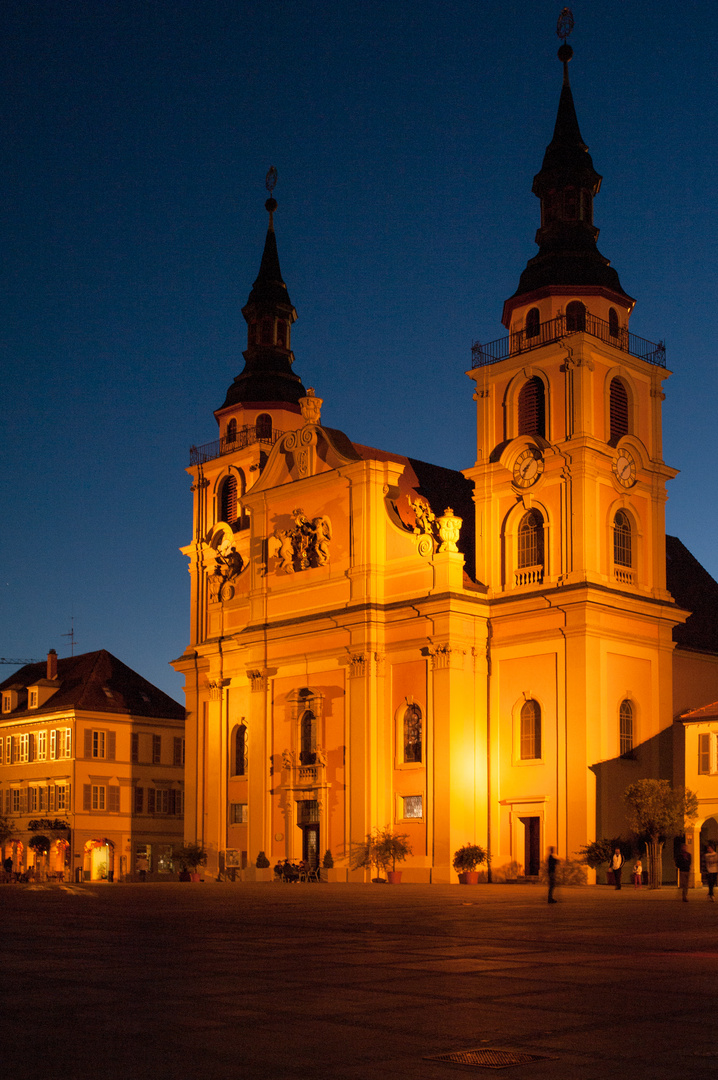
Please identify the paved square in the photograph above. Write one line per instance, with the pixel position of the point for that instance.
(344, 981)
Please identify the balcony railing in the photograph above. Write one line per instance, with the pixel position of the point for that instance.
(523, 341)
(245, 436)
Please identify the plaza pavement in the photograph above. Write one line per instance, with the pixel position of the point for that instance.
(354, 982)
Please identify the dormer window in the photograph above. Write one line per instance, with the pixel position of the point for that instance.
(33, 699)
(6, 703)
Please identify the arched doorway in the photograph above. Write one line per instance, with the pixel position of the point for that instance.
(98, 863)
(709, 831)
(58, 859)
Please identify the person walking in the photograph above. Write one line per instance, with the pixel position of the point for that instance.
(616, 864)
(711, 868)
(552, 865)
(683, 863)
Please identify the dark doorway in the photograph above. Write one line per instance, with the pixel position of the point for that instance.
(310, 845)
(532, 845)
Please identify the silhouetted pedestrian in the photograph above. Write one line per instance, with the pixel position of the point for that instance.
(552, 865)
(711, 868)
(617, 862)
(683, 862)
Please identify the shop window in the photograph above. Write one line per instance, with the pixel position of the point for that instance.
(530, 730)
(618, 407)
(622, 540)
(532, 408)
(530, 540)
(412, 732)
(625, 723)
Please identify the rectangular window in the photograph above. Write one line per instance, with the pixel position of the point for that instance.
(31, 800)
(706, 753)
(42, 799)
(134, 746)
(6, 703)
(98, 744)
(41, 745)
(162, 801)
(68, 743)
(139, 800)
(178, 752)
(2, 750)
(150, 800)
(113, 799)
(98, 797)
(53, 745)
(15, 800)
(413, 806)
(33, 699)
(61, 797)
(23, 748)
(156, 749)
(238, 813)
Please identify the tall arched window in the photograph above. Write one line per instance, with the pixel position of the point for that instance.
(575, 316)
(232, 431)
(229, 499)
(412, 734)
(308, 738)
(263, 426)
(533, 323)
(240, 751)
(530, 730)
(618, 406)
(532, 408)
(625, 723)
(622, 540)
(530, 540)
(613, 322)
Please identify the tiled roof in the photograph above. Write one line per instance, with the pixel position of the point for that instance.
(693, 588)
(94, 682)
(706, 712)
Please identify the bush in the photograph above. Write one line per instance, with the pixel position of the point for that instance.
(468, 857)
(328, 861)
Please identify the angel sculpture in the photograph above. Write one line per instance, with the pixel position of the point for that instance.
(322, 528)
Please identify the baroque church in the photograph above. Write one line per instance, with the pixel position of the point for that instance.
(485, 657)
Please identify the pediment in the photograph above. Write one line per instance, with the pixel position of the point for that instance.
(307, 452)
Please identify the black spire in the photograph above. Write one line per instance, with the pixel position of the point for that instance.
(267, 375)
(566, 186)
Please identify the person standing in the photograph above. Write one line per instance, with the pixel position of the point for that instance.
(552, 865)
(711, 868)
(638, 874)
(683, 862)
(617, 862)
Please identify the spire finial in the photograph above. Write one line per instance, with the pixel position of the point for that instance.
(271, 203)
(564, 27)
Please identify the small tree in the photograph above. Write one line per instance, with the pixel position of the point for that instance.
(468, 857)
(190, 856)
(656, 810)
(382, 848)
(328, 861)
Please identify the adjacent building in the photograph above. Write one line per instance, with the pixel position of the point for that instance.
(480, 657)
(91, 770)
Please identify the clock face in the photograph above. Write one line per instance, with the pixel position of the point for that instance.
(624, 468)
(527, 468)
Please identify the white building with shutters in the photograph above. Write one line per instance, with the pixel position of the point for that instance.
(91, 771)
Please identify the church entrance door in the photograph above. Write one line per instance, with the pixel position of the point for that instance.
(310, 845)
(532, 845)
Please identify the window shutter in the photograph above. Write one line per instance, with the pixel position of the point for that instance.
(31, 747)
(13, 749)
(51, 798)
(68, 793)
(172, 797)
(111, 743)
(704, 753)
(139, 800)
(114, 794)
(2, 750)
(134, 746)
(86, 796)
(88, 743)
(156, 749)
(618, 410)
(23, 800)
(177, 752)
(150, 800)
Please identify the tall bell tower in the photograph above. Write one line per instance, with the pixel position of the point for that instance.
(570, 526)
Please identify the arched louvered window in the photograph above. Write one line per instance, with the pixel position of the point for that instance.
(530, 730)
(267, 330)
(264, 426)
(308, 738)
(229, 499)
(570, 204)
(532, 408)
(533, 323)
(618, 410)
(283, 333)
(575, 316)
(622, 540)
(613, 322)
(240, 751)
(625, 723)
(530, 540)
(412, 734)
(232, 431)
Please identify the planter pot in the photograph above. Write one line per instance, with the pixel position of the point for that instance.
(394, 877)
(194, 876)
(469, 877)
(184, 875)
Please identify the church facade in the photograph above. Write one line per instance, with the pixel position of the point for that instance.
(481, 657)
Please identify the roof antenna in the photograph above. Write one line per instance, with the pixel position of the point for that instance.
(71, 635)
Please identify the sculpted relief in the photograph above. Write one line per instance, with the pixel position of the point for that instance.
(304, 545)
(224, 564)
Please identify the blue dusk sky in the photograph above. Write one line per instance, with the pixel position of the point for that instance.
(135, 141)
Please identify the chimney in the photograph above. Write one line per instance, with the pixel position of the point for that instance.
(52, 664)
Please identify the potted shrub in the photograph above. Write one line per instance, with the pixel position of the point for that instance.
(466, 859)
(260, 871)
(190, 857)
(382, 849)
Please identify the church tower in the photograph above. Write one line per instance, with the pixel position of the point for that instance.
(570, 532)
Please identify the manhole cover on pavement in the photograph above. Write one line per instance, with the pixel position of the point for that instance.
(487, 1058)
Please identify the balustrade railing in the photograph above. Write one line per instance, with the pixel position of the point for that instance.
(541, 334)
(244, 436)
(529, 575)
